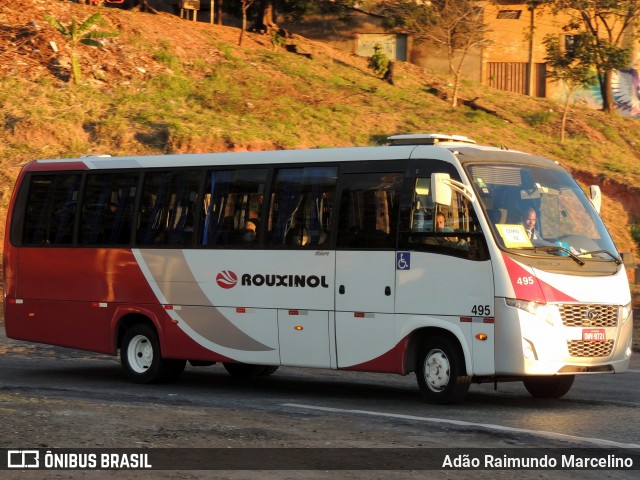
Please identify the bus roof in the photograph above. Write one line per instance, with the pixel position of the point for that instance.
(402, 147)
(319, 155)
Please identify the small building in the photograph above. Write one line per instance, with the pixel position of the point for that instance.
(513, 60)
(358, 35)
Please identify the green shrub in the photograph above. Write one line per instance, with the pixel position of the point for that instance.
(541, 117)
(78, 33)
(379, 62)
(635, 232)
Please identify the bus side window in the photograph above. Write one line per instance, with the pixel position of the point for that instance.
(369, 210)
(446, 229)
(301, 206)
(422, 214)
(167, 208)
(51, 209)
(107, 208)
(232, 207)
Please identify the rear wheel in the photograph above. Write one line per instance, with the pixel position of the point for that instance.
(247, 370)
(440, 371)
(549, 386)
(142, 360)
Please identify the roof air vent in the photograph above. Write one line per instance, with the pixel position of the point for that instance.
(427, 139)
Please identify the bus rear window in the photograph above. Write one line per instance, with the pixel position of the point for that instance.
(50, 212)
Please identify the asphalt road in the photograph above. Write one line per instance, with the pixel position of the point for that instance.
(58, 398)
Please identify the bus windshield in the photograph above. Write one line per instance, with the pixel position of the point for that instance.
(537, 210)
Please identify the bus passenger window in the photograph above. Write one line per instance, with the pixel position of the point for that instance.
(51, 210)
(107, 209)
(446, 229)
(369, 211)
(422, 212)
(232, 207)
(301, 207)
(167, 208)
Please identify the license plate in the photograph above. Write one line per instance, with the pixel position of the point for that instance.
(593, 335)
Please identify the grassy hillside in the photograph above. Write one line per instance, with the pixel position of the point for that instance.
(167, 85)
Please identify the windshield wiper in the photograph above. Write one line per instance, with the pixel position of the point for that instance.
(555, 248)
(593, 252)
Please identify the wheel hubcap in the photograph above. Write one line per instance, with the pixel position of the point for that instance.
(437, 370)
(140, 354)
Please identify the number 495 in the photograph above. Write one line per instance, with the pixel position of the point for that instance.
(481, 310)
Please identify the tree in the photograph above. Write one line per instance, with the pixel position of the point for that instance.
(456, 25)
(245, 4)
(296, 10)
(81, 33)
(265, 20)
(264, 12)
(571, 67)
(142, 6)
(609, 25)
(219, 11)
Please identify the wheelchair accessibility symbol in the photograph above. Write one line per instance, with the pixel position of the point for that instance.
(403, 261)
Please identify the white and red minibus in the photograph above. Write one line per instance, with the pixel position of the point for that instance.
(409, 257)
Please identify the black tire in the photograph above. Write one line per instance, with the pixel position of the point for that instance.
(142, 360)
(247, 370)
(440, 371)
(173, 370)
(269, 370)
(549, 386)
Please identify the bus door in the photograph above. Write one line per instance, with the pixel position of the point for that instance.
(365, 268)
(299, 220)
(444, 274)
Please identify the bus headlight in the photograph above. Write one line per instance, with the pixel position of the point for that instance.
(531, 307)
(548, 313)
(625, 313)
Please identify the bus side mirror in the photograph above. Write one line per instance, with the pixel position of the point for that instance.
(441, 188)
(595, 195)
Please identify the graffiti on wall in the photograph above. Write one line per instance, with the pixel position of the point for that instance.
(625, 89)
(626, 92)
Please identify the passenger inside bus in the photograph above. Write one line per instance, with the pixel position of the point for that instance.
(441, 226)
(441, 223)
(249, 232)
(298, 236)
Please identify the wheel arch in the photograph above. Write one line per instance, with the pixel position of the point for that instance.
(126, 317)
(418, 338)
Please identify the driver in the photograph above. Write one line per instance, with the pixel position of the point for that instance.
(529, 223)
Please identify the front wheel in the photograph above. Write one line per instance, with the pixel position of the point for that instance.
(141, 357)
(440, 372)
(549, 386)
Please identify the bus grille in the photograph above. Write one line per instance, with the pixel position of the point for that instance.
(574, 315)
(580, 348)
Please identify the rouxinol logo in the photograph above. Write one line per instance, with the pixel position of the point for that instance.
(228, 279)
